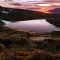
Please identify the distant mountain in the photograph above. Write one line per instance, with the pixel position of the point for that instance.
(56, 10)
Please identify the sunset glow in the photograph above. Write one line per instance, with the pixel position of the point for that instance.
(36, 5)
(44, 4)
(43, 8)
(47, 8)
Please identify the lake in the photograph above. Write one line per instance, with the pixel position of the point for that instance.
(38, 25)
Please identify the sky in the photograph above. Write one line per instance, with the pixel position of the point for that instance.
(34, 0)
(38, 5)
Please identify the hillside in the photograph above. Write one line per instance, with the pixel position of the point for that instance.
(16, 45)
(7, 32)
(55, 21)
(21, 14)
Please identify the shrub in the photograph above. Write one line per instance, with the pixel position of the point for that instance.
(2, 47)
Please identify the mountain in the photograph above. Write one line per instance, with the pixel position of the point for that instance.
(56, 11)
(19, 14)
(23, 14)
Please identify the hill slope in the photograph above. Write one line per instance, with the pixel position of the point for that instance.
(21, 14)
(55, 21)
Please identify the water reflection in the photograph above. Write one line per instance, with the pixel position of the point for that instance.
(40, 25)
(6, 22)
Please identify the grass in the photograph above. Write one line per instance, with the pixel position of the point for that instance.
(14, 46)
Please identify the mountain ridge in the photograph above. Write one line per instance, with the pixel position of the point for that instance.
(56, 11)
(22, 14)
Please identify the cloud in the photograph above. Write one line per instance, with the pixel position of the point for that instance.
(50, 0)
(29, 4)
(23, 0)
(32, 0)
(15, 4)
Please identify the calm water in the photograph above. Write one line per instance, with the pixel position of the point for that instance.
(40, 25)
